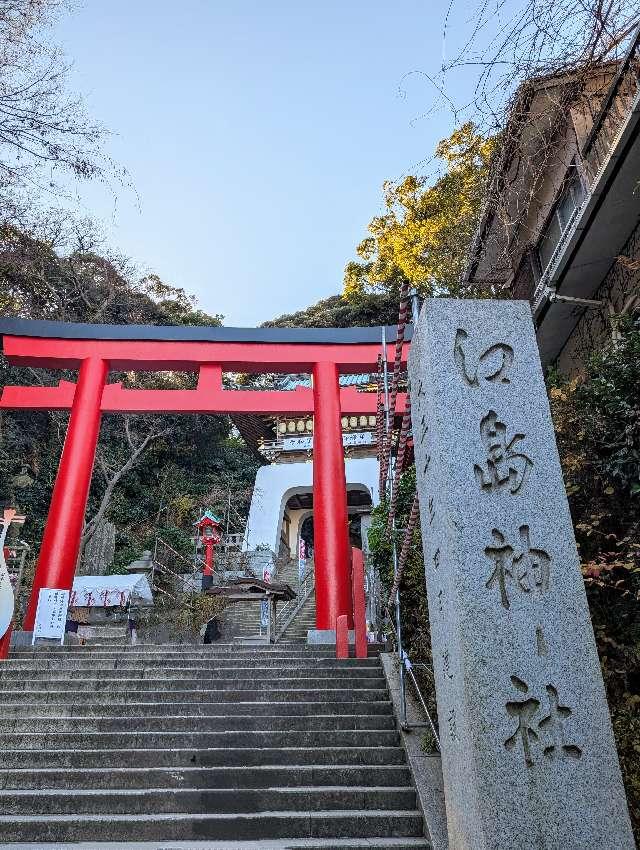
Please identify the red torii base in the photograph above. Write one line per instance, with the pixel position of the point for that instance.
(95, 350)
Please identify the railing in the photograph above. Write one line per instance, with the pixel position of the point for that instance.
(173, 574)
(288, 612)
(407, 667)
(615, 108)
(541, 288)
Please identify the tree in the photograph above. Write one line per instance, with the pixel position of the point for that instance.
(45, 134)
(359, 310)
(425, 234)
(146, 465)
(113, 475)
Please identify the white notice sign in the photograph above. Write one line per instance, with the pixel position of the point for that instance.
(51, 614)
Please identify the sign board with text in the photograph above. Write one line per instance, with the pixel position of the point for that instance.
(51, 614)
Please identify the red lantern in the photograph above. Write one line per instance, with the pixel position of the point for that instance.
(209, 529)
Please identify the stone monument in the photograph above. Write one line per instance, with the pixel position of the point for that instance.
(99, 551)
(528, 754)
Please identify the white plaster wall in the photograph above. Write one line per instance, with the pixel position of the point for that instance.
(276, 483)
(297, 517)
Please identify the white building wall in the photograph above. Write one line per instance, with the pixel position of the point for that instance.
(276, 483)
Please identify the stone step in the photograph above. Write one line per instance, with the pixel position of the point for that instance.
(254, 776)
(295, 651)
(245, 652)
(167, 650)
(182, 723)
(138, 707)
(58, 801)
(263, 844)
(128, 681)
(29, 758)
(253, 745)
(199, 695)
(22, 670)
(186, 740)
(170, 827)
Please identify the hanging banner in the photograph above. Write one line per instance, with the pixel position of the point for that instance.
(51, 614)
(264, 612)
(302, 559)
(264, 605)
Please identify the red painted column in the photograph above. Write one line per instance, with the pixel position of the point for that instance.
(342, 637)
(61, 540)
(331, 531)
(359, 602)
(208, 558)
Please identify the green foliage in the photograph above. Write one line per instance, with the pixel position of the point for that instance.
(425, 233)
(414, 618)
(597, 422)
(194, 612)
(189, 457)
(361, 310)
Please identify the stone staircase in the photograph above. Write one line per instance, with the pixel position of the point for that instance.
(304, 620)
(241, 620)
(283, 745)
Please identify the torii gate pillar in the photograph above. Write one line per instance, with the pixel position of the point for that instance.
(330, 524)
(63, 530)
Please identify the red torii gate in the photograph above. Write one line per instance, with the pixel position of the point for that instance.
(96, 350)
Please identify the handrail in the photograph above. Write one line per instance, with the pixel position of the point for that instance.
(408, 666)
(288, 612)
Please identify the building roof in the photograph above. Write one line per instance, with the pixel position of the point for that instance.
(293, 381)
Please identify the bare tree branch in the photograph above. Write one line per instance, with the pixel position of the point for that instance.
(92, 524)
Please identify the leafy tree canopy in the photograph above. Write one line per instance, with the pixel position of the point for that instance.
(361, 310)
(425, 234)
(153, 472)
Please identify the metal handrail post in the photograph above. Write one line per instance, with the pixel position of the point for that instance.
(390, 473)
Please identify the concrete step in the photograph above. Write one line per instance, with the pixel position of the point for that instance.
(141, 706)
(170, 827)
(181, 723)
(124, 680)
(113, 696)
(58, 801)
(152, 757)
(264, 844)
(196, 652)
(263, 662)
(251, 746)
(186, 740)
(254, 776)
(162, 650)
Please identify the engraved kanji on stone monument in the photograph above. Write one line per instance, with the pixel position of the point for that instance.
(496, 373)
(526, 737)
(539, 736)
(503, 467)
(527, 570)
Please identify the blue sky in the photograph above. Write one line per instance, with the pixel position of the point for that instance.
(257, 135)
